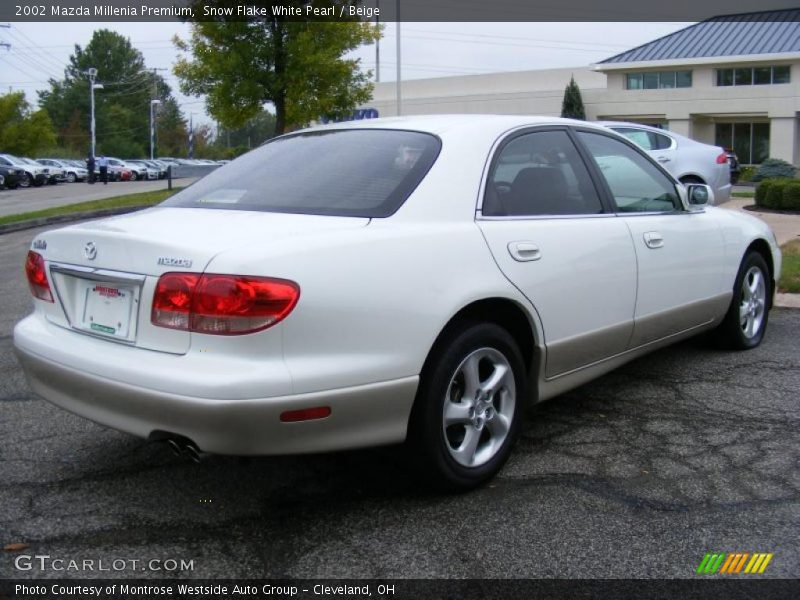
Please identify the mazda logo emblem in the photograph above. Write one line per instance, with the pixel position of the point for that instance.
(90, 251)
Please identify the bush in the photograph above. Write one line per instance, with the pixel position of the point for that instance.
(769, 193)
(774, 168)
(746, 174)
(761, 193)
(791, 196)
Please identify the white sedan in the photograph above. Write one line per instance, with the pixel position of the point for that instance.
(374, 282)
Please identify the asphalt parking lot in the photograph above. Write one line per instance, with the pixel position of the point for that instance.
(638, 474)
(17, 201)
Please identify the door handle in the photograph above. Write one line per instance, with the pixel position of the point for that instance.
(653, 239)
(524, 251)
(663, 159)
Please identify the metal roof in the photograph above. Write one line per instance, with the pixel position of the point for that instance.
(730, 35)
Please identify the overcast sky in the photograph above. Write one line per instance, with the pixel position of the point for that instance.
(41, 50)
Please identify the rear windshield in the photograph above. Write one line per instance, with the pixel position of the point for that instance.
(349, 173)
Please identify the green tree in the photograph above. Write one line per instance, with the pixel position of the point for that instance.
(299, 66)
(22, 130)
(252, 134)
(572, 106)
(122, 107)
(172, 130)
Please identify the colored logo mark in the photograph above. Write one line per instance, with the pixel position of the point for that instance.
(734, 562)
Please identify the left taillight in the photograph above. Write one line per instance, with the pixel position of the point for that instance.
(37, 277)
(722, 158)
(222, 304)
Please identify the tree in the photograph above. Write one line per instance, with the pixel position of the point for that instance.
(22, 130)
(122, 107)
(253, 133)
(298, 66)
(572, 107)
(173, 132)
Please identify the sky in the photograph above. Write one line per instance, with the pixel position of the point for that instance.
(39, 51)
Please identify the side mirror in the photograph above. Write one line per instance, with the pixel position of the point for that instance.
(699, 194)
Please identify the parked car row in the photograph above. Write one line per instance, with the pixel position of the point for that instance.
(26, 172)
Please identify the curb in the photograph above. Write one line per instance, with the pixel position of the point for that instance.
(68, 218)
(787, 300)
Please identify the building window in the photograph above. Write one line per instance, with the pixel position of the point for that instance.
(750, 141)
(753, 75)
(658, 80)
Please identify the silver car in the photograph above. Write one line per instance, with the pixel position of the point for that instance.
(688, 160)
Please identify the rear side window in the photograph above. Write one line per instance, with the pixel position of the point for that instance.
(539, 174)
(347, 172)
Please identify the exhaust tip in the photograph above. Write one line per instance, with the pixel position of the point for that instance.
(193, 452)
(175, 447)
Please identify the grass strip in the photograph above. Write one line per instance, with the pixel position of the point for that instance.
(140, 199)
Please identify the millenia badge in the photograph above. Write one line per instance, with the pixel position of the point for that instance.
(734, 563)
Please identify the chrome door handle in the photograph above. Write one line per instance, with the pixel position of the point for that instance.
(524, 251)
(653, 239)
(663, 159)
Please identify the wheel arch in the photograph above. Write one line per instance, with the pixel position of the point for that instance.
(692, 178)
(506, 313)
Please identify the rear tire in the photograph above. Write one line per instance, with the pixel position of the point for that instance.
(469, 406)
(71, 177)
(745, 322)
(687, 179)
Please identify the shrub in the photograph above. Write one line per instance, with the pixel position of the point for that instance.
(746, 174)
(791, 196)
(774, 168)
(774, 195)
(761, 192)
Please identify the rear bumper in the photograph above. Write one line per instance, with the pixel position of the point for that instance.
(366, 415)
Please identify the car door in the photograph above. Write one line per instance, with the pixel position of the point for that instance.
(678, 252)
(556, 240)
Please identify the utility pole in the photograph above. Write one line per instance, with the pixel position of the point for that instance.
(154, 100)
(378, 42)
(92, 73)
(399, 72)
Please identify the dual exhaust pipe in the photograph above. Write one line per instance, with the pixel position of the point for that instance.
(185, 448)
(180, 445)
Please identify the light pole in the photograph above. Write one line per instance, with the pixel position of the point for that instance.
(92, 73)
(153, 126)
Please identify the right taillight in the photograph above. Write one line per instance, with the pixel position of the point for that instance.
(722, 158)
(37, 277)
(222, 304)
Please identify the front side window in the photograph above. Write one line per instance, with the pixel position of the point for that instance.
(340, 172)
(636, 184)
(540, 174)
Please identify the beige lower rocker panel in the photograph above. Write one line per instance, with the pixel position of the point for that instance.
(549, 388)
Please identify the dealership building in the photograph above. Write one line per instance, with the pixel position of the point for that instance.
(732, 82)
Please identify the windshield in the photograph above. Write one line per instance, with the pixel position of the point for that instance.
(346, 172)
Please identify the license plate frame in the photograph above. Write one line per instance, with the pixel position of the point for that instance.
(107, 309)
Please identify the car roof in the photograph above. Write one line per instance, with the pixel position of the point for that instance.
(645, 127)
(443, 124)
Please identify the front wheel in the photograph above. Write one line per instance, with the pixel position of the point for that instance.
(26, 181)
(746, 320)
(71, 177)
(468, 409)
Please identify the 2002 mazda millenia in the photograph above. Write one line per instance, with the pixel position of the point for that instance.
(415, 279)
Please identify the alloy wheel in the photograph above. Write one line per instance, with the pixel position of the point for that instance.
(479, 407)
